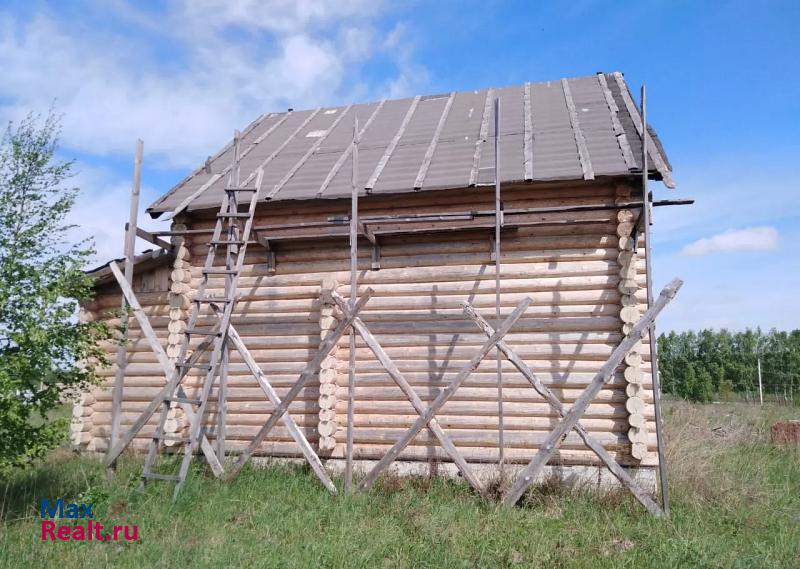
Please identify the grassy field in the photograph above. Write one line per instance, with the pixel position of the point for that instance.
(735, 502)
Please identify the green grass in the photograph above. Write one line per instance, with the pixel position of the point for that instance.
(736, 503)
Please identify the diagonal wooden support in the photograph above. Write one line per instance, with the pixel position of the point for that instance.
(444, 395)
(402, 382)
(310, 371)
(612, 465)
(532, 470)
(169, 368)
(291, 426)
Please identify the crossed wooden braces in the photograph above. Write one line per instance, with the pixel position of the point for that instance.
(569, 419)
(427, 418)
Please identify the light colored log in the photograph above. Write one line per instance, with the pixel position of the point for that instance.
(634, 405)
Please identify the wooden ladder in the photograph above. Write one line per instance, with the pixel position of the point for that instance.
(231, 235)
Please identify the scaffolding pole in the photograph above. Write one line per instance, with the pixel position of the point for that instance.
(645, 215)
(130, 246)
(498, 223)
(351, 385)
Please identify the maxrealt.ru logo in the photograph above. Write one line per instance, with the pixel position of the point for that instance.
(86, 530)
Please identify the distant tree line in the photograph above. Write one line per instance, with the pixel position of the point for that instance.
(702, 366)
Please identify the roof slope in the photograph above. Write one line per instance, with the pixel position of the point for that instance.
(569, 129)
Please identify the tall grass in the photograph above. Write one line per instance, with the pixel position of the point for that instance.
(735, 496)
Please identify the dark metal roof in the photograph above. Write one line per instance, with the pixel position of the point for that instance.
(144, 261)
(569, 129)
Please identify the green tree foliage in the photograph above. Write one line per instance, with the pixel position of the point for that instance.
(43, 347)
(697, 365)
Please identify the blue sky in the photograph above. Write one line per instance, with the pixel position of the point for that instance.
(722, 78)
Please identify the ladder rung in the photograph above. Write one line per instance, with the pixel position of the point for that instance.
(228, 242)
(211, 299)
(156, 476)
(206, 367)
(176, 399)
(202, 332)
(172, 438)
(240, 190)
(220, 271)
(241, 214)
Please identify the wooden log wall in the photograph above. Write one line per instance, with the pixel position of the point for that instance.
(586, 284)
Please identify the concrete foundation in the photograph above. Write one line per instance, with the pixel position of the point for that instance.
(571, 476)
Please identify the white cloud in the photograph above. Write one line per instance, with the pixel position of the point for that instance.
(282, 16)
(750, 239)
(228, 63)
(103, 208)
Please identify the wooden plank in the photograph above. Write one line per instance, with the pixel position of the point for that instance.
(168, 369)
(426, 162)
(620, 473)
(310, 370)
(498, 223)
(373, 179)
(529, 474)
(346, 154)
(483, 135)
(654, 153)
(314, 147)
(393, 371)
(278, 150)
(580, 141)
(527, 140)
(444, 395)
(619, 131)
(234, 178)
(150, 238)
(351, 385)
(288, 421)
(130, 245)
(645, 216)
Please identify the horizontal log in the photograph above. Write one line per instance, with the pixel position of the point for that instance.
(473, 408)
(255, 275)
(482, 378)
(425, 454)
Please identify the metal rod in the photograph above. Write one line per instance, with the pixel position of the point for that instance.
(351, 385)
(498, 223)
(760, 386)
(646, 221)
(130, 247)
